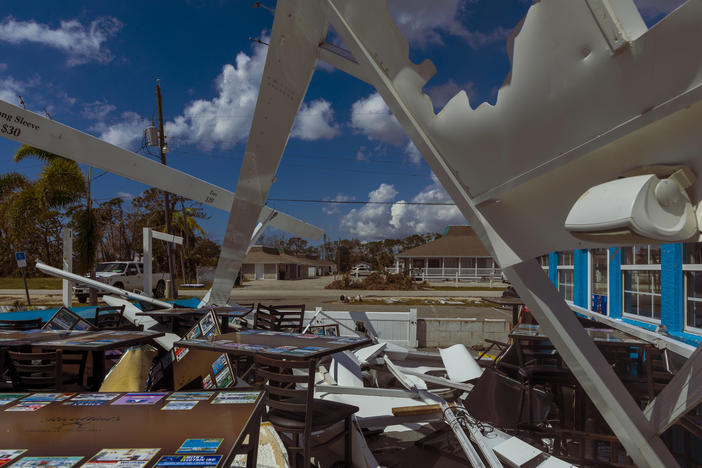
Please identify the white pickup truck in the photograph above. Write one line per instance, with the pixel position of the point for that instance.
(124, 275)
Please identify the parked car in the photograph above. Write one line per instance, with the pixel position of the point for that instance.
(126, 275)
(361, 270)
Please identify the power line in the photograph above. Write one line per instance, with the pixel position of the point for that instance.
(350, 202)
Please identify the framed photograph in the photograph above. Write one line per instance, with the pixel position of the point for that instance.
(325, 330)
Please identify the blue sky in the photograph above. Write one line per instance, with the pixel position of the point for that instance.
(93, 66)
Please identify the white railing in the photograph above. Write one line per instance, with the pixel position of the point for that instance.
(460, 274)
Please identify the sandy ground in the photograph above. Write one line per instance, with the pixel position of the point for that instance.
(311, 292)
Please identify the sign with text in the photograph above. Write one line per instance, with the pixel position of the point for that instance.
(21, 258)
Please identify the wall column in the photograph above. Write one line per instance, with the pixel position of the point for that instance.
(672, 287)
(553, 268)
(614, 300)
(581, 278)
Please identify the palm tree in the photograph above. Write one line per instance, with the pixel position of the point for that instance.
(185, 222)
(60, 185)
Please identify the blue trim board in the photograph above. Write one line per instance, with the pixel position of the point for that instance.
(553, 268)
(615, 283)
(672, 287)
(580, 278)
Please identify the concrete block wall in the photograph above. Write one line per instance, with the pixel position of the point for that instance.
(443, 332)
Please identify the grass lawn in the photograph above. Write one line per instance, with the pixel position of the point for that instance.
(33, 283)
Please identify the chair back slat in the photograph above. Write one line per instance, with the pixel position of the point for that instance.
(282, 391)
(109, 316)
(266, 318)
(36, 371)
(291, 316)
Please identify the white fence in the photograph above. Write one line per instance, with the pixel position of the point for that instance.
(394, 327)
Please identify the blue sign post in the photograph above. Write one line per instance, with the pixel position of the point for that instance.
(21, 258)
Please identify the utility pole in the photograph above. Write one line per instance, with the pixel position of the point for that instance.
(89, 208)
(166, 197)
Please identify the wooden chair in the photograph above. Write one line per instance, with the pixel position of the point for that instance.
(37, 371)
(267, 318)
(293, 409)
(20, 324)
(109, 317)
(291, 317)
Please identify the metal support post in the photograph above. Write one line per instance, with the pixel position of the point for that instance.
(147, 262)
(67, 285)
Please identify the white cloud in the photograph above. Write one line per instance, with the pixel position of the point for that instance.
(226, 119)
(10, 88)
(334, 208)
(82, 44)
(126, 133)
(399, 220)
(315, 121)
(125, 195)
(653, 8)
(424, 23)
(371, 117)
(441, 94)
(413, 153)
(97, 110)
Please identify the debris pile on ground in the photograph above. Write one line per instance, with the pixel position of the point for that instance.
(378, 281)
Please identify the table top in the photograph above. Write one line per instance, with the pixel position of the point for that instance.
(283, 344)
(152, 425)
(95, 340)
(600, 335)
(229, 311)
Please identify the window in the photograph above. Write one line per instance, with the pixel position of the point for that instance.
(543, 261)
(692, 275)
(641, 281)
(434, 263)
(468, 262)
(484, 262)
(600, 259)
(450, 263)
(565, 275)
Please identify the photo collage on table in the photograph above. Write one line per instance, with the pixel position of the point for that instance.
(195, 451)
(287, 350)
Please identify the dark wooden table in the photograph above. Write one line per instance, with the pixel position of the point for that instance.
(224, 313)
(60, 429)
(13, 338)
(514, 302)
(283, 344)
(97, 342)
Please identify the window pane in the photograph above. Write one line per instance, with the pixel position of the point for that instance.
(434, 263)
(654, 254)
(484, 262)
(565, 258)
(468, 262)
(692, 253)
(599, 271)
(627, 256)
(451, 263)
(693, 303)
(565, 284)
(642, 293)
